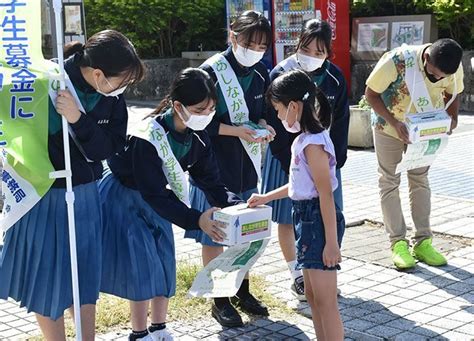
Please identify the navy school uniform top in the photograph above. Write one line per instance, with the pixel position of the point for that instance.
(139, 167)
(236, 168)
(330, 80)
(101, 131)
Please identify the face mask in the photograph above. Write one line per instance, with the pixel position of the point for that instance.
(247, 57)
(431, 77)
(197, 122)
(296, 128)
(114, 93)
(308, 63)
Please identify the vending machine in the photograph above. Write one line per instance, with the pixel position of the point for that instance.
(289, 16)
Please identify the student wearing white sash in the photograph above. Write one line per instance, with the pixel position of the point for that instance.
(139, 208)
(35, 266)
(411, 79)
(312, 55)
(241, 83)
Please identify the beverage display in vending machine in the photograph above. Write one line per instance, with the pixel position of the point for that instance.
(235, 7)
(289, 16)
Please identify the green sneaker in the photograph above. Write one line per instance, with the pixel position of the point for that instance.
(426, 253)
(401, 256)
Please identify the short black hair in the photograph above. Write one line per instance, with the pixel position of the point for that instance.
(445, 54)
(190, 86)
(316, 29)
(253, 25)
(112, 53)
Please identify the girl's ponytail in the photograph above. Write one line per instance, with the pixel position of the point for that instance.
(72, 48)
(323, 109)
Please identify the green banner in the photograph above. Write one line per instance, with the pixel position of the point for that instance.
(23, 109)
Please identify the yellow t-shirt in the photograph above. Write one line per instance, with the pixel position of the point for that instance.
(388, 79)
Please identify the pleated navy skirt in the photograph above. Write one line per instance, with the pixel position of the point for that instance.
(273, 177)
(199, 202)
(35, 265)
(138, 245)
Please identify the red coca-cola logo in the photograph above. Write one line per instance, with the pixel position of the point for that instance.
(331, 12)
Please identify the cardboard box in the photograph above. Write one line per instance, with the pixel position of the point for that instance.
(427, 126)
(244, 224)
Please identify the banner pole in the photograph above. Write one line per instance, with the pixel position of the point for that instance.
(57, 5)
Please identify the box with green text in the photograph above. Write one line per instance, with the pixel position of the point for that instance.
(428, 125)
(244, 224)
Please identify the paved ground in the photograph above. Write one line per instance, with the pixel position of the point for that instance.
(378, 302)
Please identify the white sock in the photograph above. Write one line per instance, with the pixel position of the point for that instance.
(294, 273)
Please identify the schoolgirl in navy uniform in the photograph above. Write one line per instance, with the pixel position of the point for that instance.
(35, 262)
(138, 252)
(312, 53)
(250, 36)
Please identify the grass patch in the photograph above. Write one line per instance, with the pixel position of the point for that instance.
(113, 313)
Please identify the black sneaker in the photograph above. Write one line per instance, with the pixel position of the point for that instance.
(250, 305)
(297, 288)
(226, 315)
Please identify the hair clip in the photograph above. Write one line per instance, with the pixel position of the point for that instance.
(306, 95)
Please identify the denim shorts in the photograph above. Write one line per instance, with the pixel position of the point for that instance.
(310, 237)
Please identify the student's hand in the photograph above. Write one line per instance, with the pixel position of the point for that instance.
(454, 124)
(257, 199)
(211, 227)
(270, 137)
(67, 107)
(247, 134)
(402, 131)
(331, 255)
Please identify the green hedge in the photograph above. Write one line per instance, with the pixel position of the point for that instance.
(455, 17)
(161, 28)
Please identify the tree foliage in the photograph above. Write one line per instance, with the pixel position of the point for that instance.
(455, 18)
(161, 28)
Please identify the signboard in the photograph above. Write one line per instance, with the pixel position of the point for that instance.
(372, 37)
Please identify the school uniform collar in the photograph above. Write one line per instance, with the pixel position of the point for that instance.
(320, 71)
(73, 70)
(240, 71)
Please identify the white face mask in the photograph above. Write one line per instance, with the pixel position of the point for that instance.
(114, 93)
(308, 63)
(296, 128)
(197, 122)
(247, 57)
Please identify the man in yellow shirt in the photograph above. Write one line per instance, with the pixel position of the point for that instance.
(392, 94)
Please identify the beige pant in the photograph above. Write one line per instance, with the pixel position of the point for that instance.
(389, 152)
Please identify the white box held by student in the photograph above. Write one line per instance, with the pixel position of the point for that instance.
(428, 125)
(244, 224)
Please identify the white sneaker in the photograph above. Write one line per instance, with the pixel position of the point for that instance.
(161, 335)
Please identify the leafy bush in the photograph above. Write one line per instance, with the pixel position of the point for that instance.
(454, 17)
(364, 104)
(161, 28)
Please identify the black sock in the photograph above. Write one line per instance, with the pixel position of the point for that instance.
(157, 326)
(221, 301)
(244, 289)
(137, 335)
